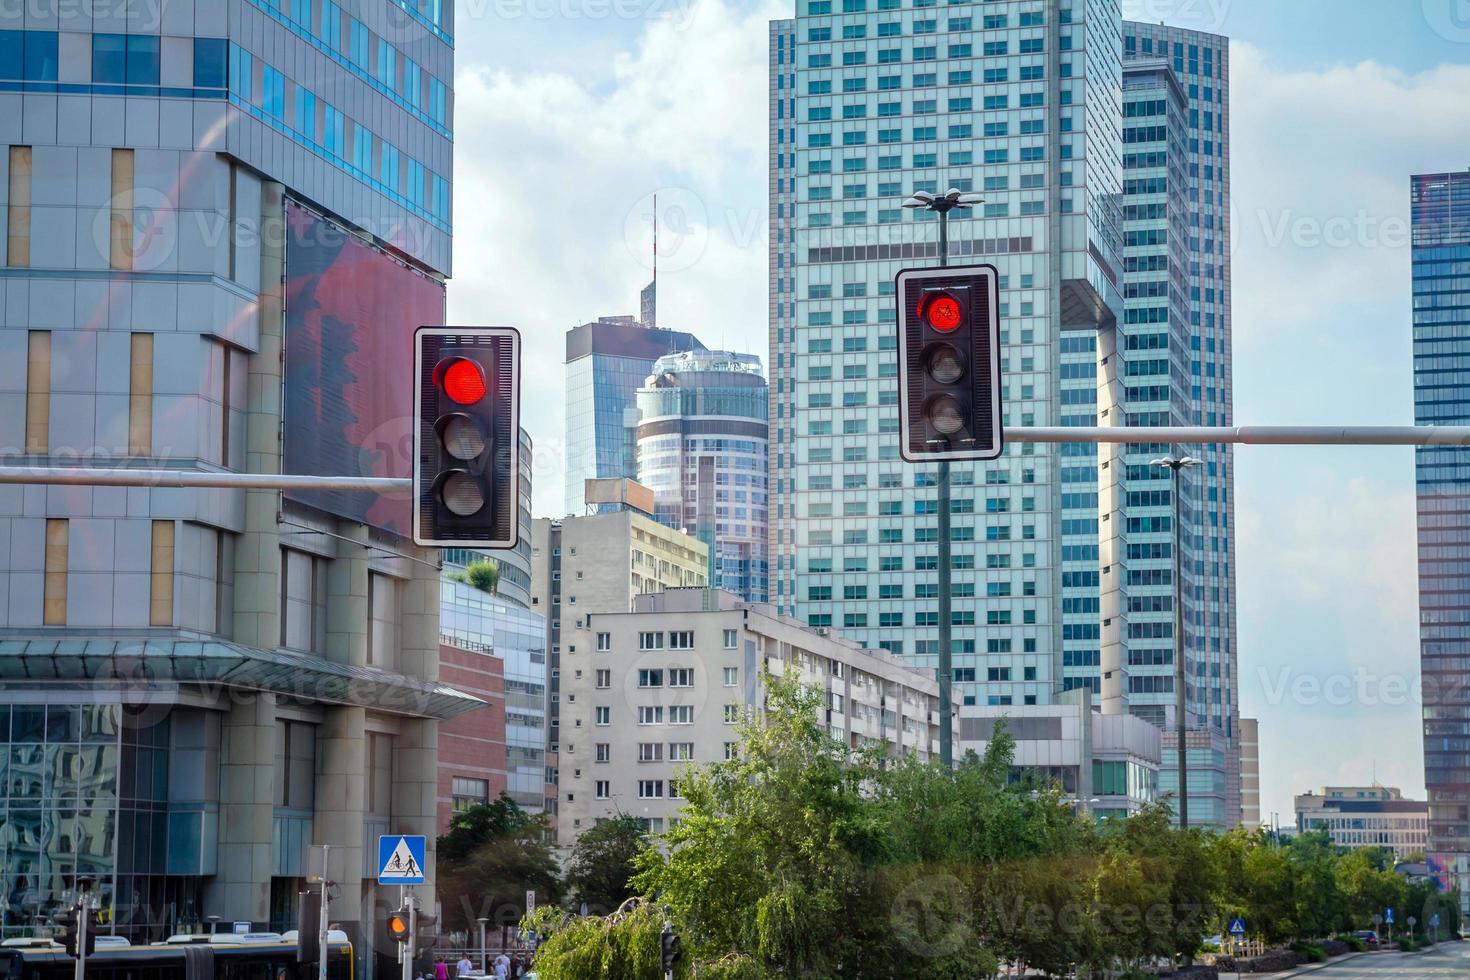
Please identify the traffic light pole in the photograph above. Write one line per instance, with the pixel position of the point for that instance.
(410, 948)
(946, 585)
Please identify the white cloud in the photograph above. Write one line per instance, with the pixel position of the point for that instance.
(551, 175)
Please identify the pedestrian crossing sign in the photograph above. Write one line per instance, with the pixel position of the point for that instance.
(400, 860)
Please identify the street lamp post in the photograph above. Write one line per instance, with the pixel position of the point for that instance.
(923, 200)
(1174, 466)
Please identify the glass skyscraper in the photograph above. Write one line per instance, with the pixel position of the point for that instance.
(607, 361)
(702, 444)
(871, 100)
(1175, 342)
(1441, 284)
(1101, 149)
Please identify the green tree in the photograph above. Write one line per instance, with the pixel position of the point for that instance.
(1366, 888)
(482, 574)
(492, 854)
(601, 867)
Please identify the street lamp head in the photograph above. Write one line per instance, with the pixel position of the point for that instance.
(915, 202)
(953, 193)
(969, 200)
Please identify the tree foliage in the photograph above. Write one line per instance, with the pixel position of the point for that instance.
(601, 866)
(492, 854)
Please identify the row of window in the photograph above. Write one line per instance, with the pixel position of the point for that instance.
(659, 714)
(310, 119)
(117, 59)
(677, 640)
(931, 52)
(990, 22)
(655, 677)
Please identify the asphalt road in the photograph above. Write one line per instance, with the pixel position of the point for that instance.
(1449, 960)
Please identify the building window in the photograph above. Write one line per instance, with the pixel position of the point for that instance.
(161, 580)
(731, 676)
(303, 602)
(650, 752)
(383, 621)
(650, 641)
(18, 208)
(604, 678)
(604, 642)
(683, 640)
(650, 789)
(380, 774)
(650, 714)
(140, 395)
(732, 713)
(120, 247)
(681, 677)
(650, 678)
(602, 752)
(54, 604)
(602, 715)
(469, 792)
(295, 765)
(681, 751)
(602, 789)
(38, 393)
(681, 714)
(729, 751)
(730, 639)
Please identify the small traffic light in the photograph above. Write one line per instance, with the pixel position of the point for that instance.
(68, 928)
(669, 947)
(466, 475)
(949, 363)
(399, 928)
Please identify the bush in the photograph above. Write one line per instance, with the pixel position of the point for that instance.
(1357, 945)
(1312, 953)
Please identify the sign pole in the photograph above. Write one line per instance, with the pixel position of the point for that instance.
(322, 923)
(413, 926)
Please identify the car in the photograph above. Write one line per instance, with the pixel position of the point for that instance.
(1368, 936)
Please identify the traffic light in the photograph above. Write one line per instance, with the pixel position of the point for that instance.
(466, 474)
(308, 927)
(949, 363)
(670, 947)
(399, 928)
(68, 925)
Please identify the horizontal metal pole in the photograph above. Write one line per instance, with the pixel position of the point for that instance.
(1255, 435)
(124, 477)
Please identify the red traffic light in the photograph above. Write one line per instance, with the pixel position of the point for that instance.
(943, 313)
(462, 380)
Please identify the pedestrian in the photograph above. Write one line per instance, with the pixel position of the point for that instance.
(441, 969)
(464, 967)
(502, 965)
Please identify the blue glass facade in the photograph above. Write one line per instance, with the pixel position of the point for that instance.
(607, 362)
(1441, 299)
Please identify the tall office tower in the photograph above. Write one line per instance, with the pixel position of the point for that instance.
(1175, 347)
(607, 361)
(702, 425)
(1250, 773)
(1441, 262)
(1021, 102)
(223, 220)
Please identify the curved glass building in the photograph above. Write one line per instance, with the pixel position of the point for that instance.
(702, 450)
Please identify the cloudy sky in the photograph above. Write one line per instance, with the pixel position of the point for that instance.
(571, 113)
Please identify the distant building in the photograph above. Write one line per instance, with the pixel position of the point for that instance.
(1440, 206)
(646, 692)
(1109, 764)
(1250, 773)
(601, 563)
(1366, 816)
(607, 361)
(472, 749)
(702, 450)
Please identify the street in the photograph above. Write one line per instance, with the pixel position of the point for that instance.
(1450, 960)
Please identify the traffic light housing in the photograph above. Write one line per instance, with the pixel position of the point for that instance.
(308, 927)
(428, 930)
(949, 363)
(669, 948)
(399, 927)
(466, 474)
(67, 922)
